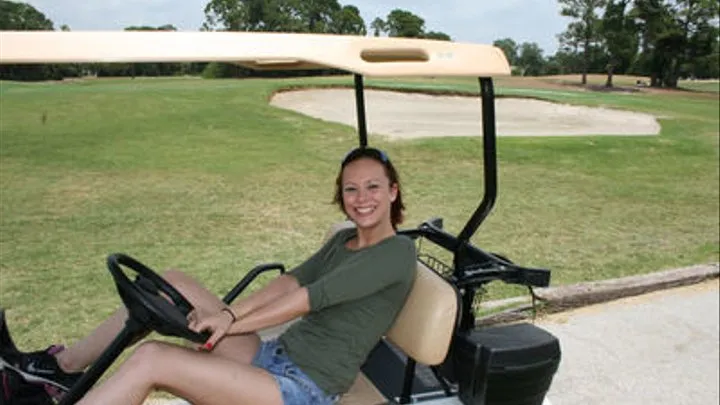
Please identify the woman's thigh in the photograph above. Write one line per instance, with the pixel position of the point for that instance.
(297, 388)
(240, 348)
(205, 379)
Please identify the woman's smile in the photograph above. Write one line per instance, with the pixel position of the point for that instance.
(365, 210)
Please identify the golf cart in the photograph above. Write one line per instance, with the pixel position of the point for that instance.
(434, 354)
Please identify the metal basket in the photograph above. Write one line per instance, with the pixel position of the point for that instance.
(437, 265)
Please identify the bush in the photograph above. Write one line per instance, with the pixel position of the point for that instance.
(218, 70)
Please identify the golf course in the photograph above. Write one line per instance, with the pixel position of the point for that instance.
(208, 177)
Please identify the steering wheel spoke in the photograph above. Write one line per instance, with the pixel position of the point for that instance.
(151, 300)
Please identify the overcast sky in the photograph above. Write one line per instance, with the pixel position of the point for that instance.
(480, 21)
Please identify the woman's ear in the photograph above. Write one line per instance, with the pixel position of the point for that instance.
(393, 192)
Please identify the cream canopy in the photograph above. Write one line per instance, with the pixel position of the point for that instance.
(368, 56)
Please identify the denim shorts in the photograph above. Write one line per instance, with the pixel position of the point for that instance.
(296, 387)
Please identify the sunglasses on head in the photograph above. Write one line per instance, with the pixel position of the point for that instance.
(365, 151)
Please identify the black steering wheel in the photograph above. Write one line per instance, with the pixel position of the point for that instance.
(145, 303)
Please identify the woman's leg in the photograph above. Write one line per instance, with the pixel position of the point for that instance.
(201, 378)
(84, 352)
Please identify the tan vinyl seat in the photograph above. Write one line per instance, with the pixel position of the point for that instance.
(423, 328)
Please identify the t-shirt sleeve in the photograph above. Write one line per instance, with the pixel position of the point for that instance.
(370, 273)
(308, 271)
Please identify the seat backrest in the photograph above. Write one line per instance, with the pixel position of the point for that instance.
(424, 327)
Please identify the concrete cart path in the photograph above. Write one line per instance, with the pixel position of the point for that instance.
(659, 348)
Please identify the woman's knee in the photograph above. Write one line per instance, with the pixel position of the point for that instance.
(150, 350)
(147, 354)
(184, 283)
(177, 277)
(199, 296)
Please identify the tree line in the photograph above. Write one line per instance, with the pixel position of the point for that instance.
(662, 39)
(665, 40)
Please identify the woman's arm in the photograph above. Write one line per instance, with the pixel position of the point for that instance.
(283, 309)
(276, 289)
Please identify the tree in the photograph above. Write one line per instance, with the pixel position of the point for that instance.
(230, 15)
(677, 38)
(23, 17)
(252, 15)
(402, 23)
(378, 26)
(317, 15)
(510, 48)
(440, 36)
(166, 27)
(619, 34)
(584, 30)
(563, 62)
(531, 60)
(651, 17)
(698, 26)
(662, 40)
(348, 21)
(705, 54)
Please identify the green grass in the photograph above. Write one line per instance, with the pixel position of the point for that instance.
(207, 177)
(710, 86)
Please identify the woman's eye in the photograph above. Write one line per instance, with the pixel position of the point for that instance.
(374, 186)
(349, 190)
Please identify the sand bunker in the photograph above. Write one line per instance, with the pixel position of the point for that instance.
(411, 115)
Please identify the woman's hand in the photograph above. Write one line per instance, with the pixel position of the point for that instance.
(218, 325)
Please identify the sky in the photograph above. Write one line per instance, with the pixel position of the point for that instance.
(477, 21)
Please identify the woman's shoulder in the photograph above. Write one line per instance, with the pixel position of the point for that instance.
(404, 242)
(396, 245)
(403, 256)
(400, 247)
(340, 235)
(344, 235)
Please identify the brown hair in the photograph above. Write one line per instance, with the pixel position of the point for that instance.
(397, 206)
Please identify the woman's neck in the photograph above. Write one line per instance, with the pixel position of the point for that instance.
(370, 236)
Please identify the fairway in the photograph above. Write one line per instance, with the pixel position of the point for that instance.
(207, 176)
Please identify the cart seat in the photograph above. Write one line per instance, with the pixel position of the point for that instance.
(422, 330)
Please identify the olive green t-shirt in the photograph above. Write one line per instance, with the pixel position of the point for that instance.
(355, 296)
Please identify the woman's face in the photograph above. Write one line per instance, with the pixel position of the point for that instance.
(367, 193)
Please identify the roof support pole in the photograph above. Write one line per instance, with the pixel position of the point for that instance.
(487, 94)
(360, 105)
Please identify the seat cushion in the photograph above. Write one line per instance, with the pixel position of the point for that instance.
(362, 392)
(425, 325)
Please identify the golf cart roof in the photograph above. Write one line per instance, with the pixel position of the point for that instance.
(367, 56)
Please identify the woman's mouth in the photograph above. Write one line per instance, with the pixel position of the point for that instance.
(365, 210)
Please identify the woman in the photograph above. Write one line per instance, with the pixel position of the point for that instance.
(347, 296)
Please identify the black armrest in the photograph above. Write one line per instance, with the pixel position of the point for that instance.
(252, 275)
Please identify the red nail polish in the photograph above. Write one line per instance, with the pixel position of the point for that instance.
(208, 346)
